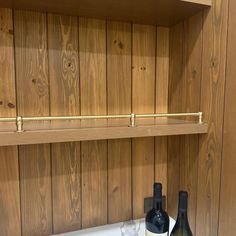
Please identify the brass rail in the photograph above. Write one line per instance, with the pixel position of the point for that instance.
(19, 120)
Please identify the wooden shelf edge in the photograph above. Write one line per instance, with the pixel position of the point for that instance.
(86, 134)
(154, 12)
(203, 2)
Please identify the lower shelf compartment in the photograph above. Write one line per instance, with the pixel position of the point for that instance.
(136, 227)
(68, 132)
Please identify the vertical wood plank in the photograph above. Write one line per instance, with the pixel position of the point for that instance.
(7, 81)
(212, 100)
(10, 224)
(92, 38)
(119, 102)
(162, 81)
(186, 99)
(64, 100)
(9, 192)
(33, 100)
(35, 187)
(227, 216)
(143, 101)
(190, 143)
(175, 94)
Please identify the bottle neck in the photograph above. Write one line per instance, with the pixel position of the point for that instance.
(158, 204)
(182, 217)
(157, 196)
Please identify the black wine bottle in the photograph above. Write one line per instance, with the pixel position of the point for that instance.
(181, 227)
(157, 220)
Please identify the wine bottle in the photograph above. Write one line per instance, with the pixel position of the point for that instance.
(157, 220)
(181, 227)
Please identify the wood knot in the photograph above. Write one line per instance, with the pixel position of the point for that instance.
(1, 102)
(121, 45)
(34, 81)
(194, 73)
(11, 31)
(213, 63)
(209, 160)
(115, 189)
(11, 105)
(69, 64)
(143, 68)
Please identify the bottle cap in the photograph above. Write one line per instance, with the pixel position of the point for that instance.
(183, 200)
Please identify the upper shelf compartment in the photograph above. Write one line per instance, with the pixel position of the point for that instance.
(85, 128)
(66, 132)
(158, 12)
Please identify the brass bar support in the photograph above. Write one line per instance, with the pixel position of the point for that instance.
(200, 117)
(20, 120)
(19, 124)
(132, 120)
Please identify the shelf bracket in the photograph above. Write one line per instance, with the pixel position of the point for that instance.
(19, 124)
(132, 120)
(200, 117)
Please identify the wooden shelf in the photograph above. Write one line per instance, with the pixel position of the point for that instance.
(53, 133)
(160, 12)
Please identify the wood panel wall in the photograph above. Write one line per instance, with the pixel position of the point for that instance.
(227, 214)
(197, 80)
(9, 175)
(62, 65)
(184, 95)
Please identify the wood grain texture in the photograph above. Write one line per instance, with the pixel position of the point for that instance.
(35, 186)
(10, 223)
(92, 38)
(174, 143)
(227, 217)
(212, 101)
(192, 87)
(7, 75)
(191, 103)
(143, 100)
(119, 180)
(63, 65)
(161, 154)
(94, 183)
(119, 102)
(185, 96)
(162, 82)
(31, 63)
(66, 187)
(33, 100)
(64, 100)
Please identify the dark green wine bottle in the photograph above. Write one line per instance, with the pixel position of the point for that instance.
(181, 227)
(157, 220)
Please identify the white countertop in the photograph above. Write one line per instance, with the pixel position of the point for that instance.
(130, 228)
